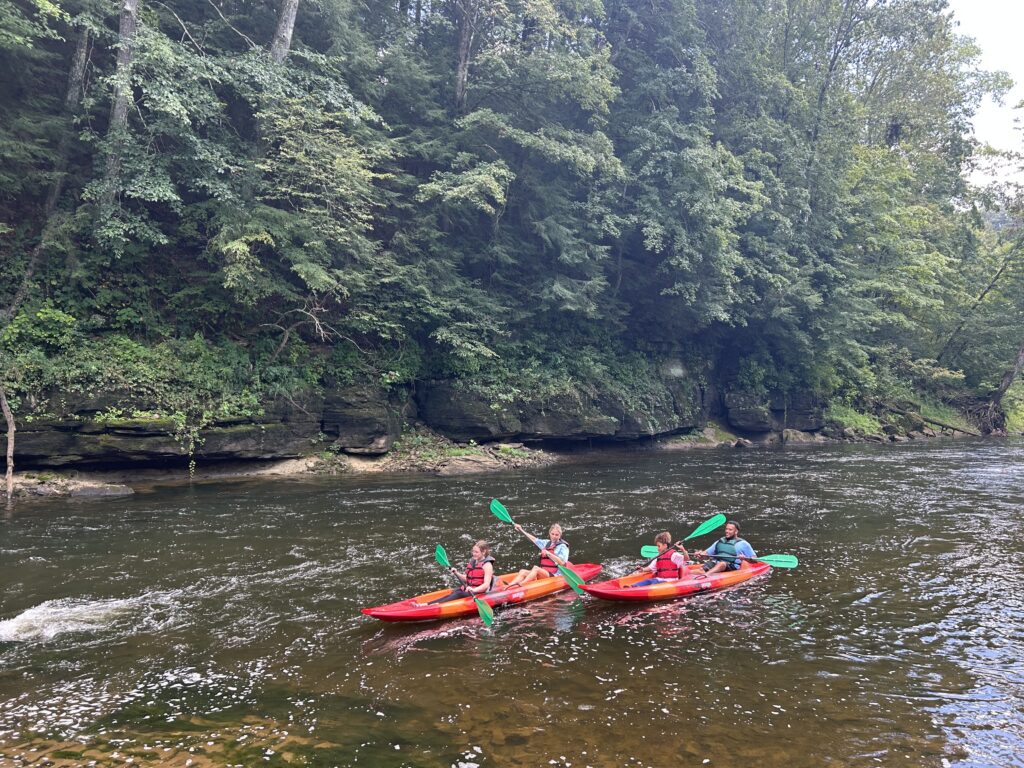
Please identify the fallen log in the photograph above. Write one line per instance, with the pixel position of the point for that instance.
(936, 422)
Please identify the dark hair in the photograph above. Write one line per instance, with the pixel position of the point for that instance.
(664, 538)
(734, 523)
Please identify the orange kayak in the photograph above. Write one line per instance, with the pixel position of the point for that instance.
(697, 581)
(416, 608)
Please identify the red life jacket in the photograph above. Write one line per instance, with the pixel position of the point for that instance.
(665, 568)
(546, 562)
(475, 572)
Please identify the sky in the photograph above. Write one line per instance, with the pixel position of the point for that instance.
(997, 27)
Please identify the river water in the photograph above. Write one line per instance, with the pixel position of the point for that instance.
(218, 624)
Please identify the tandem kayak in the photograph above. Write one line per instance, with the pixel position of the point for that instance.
(697, 581)
(416, 608)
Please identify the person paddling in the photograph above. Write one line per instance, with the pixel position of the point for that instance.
(553, 553)
(726, 551)
(478, 578)
(670, 564)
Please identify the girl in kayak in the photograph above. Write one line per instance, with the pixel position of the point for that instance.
(478, 578)
(553, 553)
(670, 564)
(726, 551)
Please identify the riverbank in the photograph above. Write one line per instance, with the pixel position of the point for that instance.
(423, 451)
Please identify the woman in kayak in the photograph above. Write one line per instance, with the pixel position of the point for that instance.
(478, 578)
(670, 564)
(725, 553)
(553, 553)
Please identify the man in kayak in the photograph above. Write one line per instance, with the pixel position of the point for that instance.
(553, 553)
(725, 552)
(478, 578)
(670, 564)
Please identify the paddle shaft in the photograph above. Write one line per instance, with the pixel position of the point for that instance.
(570, 576)
(675, 546)
(775, 561)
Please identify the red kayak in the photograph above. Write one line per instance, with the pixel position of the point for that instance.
(697, 581)
(416, 609)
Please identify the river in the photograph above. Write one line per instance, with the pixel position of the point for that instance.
(218, 624)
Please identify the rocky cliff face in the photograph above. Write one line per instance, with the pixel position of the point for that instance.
(367, 420)
(461, 414)
(773, 413)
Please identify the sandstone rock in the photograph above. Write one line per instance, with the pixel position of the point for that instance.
(105, 490)
(361, 419)
(285, 431)
(464, 415)
(462, 465)
(748, 413)
(805, 412)
(795, 436)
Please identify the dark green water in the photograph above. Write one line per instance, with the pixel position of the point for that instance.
(220, 623)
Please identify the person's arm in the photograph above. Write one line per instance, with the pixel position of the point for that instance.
(458, 574)
(682, 551)
(530, 536)
(680, 560)
(745, 550)
(562, 552)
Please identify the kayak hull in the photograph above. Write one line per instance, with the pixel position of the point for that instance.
(416, 608)
(695, 583)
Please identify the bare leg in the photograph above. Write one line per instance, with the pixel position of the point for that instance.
(522, 576)
(721, 565)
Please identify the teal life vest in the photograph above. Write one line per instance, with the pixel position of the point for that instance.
(725, 550)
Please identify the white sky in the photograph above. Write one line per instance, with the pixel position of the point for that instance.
(998, 28)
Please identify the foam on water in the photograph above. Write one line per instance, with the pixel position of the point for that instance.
(155, 610)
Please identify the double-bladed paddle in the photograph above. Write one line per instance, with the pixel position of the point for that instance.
(571, 577)
(485, 611)
(775, 561)
(706, 527)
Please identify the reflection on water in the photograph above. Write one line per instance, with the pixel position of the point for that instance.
(218, 624)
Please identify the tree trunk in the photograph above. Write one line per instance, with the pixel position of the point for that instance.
(9, 418)
(947, 347)
(466, 12)
(122, 92)
(283, 34)
(72, 100)
(1008, 378)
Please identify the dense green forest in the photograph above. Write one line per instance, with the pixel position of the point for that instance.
(206, 204)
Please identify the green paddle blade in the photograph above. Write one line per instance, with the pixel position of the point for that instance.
(649, 551)
(779, 561)
(485, 611)
(571, 578)
(442, 557)
(499, 511)
(707, 526)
